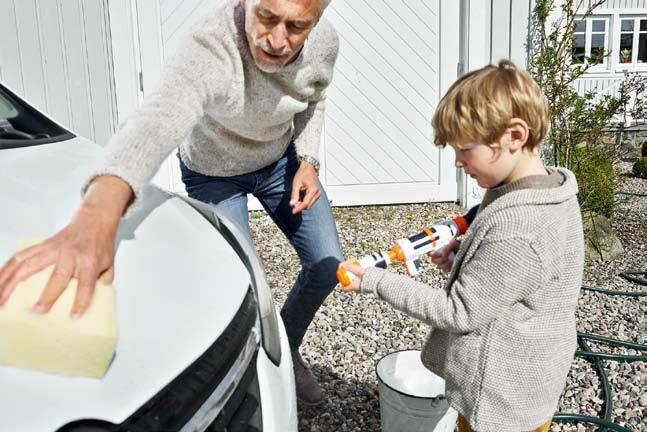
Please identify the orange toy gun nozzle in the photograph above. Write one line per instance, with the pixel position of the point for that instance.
(461, 223)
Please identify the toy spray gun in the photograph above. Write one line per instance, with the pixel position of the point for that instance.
(409, 250)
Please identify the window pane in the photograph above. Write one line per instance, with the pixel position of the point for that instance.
(627, 25)
(597, 41)
(598, 25)
(578, 49)
(626, 43)
(642, 48)
(597, 48)
(581, 27)
(643, 25)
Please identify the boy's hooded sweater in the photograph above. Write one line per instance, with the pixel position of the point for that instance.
(237, 118)
(504, 324)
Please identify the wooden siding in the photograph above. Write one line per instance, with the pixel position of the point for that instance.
(508, 29)
(383, 94)
(55, 53)
(598, 85)
(623, 4)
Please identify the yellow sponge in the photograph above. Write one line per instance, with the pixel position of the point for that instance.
(54, 342)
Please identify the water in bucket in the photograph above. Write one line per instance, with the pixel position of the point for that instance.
(412, 398)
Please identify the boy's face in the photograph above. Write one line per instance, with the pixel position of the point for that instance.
(277, 29)
(501, 163)
(490, 167)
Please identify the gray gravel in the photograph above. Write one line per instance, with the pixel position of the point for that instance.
(352, 332)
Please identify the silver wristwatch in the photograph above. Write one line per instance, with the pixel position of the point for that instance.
(312, 161)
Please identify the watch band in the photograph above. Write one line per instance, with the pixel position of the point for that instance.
(312, 161)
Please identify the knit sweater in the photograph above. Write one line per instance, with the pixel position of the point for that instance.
(503, 334)
(236, 117)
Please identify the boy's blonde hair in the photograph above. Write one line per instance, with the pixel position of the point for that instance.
(479, 105)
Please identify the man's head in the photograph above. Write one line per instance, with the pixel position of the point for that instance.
(492, 117)
(277, 29)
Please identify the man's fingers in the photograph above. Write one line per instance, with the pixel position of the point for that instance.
(85, 290)
(58, 281)
(312, 194)
(108, 276)
(21, 266)
(313, 198)
(297, 186)
(309, 198)
(299, 206)
(16, 261)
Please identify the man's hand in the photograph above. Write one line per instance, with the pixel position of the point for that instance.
(305, 188)
(352, 266)
(84, 249)
(444, 258)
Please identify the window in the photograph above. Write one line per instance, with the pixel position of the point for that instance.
(591, 41)
(22, 126)
(633, 41)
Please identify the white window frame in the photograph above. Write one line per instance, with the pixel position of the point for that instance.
(605, 65)
(633, 65)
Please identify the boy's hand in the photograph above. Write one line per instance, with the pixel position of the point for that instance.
(444, 259)
(356, 270)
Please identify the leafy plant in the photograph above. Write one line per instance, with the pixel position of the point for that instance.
(595, 175)
(640, 167)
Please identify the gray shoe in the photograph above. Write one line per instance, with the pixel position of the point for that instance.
(308, 390)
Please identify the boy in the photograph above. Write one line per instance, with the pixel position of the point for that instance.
(503, 333)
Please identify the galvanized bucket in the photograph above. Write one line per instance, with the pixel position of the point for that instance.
(412, 398)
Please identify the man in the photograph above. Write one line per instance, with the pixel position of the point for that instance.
(247, 90)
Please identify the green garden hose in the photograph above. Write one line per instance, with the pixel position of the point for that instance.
(640, 194)
(595, 358)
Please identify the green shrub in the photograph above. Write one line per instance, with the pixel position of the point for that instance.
(643, 151)
(640, 166)
(593, 168)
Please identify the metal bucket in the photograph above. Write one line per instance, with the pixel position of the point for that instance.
(412, 398)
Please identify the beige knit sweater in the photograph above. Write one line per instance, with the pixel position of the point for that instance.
(504, 324)
(235, 118)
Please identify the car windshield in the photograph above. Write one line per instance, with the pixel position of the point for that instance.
(21, 125)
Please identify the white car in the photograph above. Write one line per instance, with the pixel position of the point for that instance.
(200, 345)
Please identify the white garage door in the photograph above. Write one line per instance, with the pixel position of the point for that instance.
(378, 139)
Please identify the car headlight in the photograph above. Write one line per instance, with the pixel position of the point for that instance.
(270, 340)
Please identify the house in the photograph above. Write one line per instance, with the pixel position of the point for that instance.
(89, 63)
(618, 27)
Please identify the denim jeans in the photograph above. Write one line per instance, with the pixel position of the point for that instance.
(312, 232)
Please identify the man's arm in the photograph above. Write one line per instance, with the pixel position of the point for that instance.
(307, 136)
(84, 249)
(197, 75)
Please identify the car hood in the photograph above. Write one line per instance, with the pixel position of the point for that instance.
(178, 284)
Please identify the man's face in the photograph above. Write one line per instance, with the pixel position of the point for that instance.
(277, 29)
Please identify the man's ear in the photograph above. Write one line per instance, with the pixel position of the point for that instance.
(519, 132)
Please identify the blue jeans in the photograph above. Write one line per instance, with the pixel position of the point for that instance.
(312, 232)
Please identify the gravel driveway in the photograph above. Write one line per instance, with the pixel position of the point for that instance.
(351, 333)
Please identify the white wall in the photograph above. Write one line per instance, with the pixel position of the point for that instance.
(56, 54)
